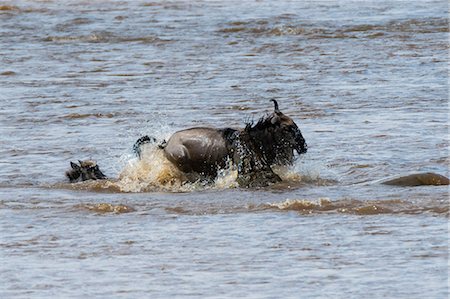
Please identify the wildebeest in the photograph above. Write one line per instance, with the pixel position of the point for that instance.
(203, 150)
(85, 170)
(253, 149)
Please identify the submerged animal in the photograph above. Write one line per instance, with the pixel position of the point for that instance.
(419, 179)
(252, 149)
(85, 170)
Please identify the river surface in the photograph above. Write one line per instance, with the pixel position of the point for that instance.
(366, 81)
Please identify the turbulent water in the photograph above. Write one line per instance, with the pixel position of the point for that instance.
(366, 81)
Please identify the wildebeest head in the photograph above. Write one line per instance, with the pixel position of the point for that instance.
(288, 130)
(278, 135)
(85, 170)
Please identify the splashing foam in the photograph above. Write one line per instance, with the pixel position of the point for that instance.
(226, 178)
(154, 172)
(306, 172)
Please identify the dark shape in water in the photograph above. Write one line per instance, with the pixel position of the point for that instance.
(419, 179)
(253, 149)
(144, 140)
(86, 170)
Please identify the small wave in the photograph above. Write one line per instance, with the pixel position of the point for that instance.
(105, 37)
(106, 208)
(306, 31)
(12, 8)
(258, 28)
(8, 7)
(312, 170)
(358, 207)
(87, 115)
(428, 25)
(7, 73)
(431, 25)
(285, 30)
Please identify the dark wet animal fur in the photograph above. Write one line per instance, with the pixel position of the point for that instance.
(419, 179)
(85, 170)
(253, 149)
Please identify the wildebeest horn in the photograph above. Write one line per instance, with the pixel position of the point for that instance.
(276, 105)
